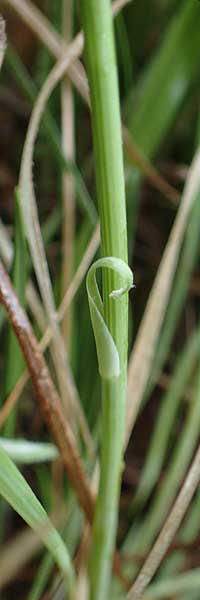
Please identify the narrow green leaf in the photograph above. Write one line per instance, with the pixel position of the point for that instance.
(155, 101)
(25, 452)
(16, 491)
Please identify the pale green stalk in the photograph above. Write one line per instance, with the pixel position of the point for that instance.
(102, 73)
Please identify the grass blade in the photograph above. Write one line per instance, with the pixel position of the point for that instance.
(165, 419)
(150, 114)
(168, 532)
(16, 491)
(156, 307)
(67, 386)
(26, 453)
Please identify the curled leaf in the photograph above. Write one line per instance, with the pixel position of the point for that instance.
(107, 352)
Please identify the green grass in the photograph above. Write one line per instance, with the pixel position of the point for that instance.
(156, 62)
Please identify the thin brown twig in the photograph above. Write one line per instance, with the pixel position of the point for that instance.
(48, 398)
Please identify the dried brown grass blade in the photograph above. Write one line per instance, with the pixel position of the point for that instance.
(43, 29)
(41, 26)
(2, 40)
(13, 397)
(6, 253)
(48, 398)
(118, 5)
(33, 18)
(16, 553)
(69, 295)
(144, 349)
(168, 531)
(22, 548)
(29, 212)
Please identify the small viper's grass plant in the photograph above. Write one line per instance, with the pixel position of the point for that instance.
(66, 420)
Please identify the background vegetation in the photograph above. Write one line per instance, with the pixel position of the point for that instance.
(158, 50)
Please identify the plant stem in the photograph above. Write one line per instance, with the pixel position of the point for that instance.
(102, 73)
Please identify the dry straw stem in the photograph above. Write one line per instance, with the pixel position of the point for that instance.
(69, 295)
(40, 25)
(16, 553)
(168, 531)
(83, 550)
(143, 352)
(68, 391)
(24, 547)
(47, 395)
(13, 397)
(44, 31)
(2, 40)
(6, 253)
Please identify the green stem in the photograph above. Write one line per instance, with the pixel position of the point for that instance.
(102, 73)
